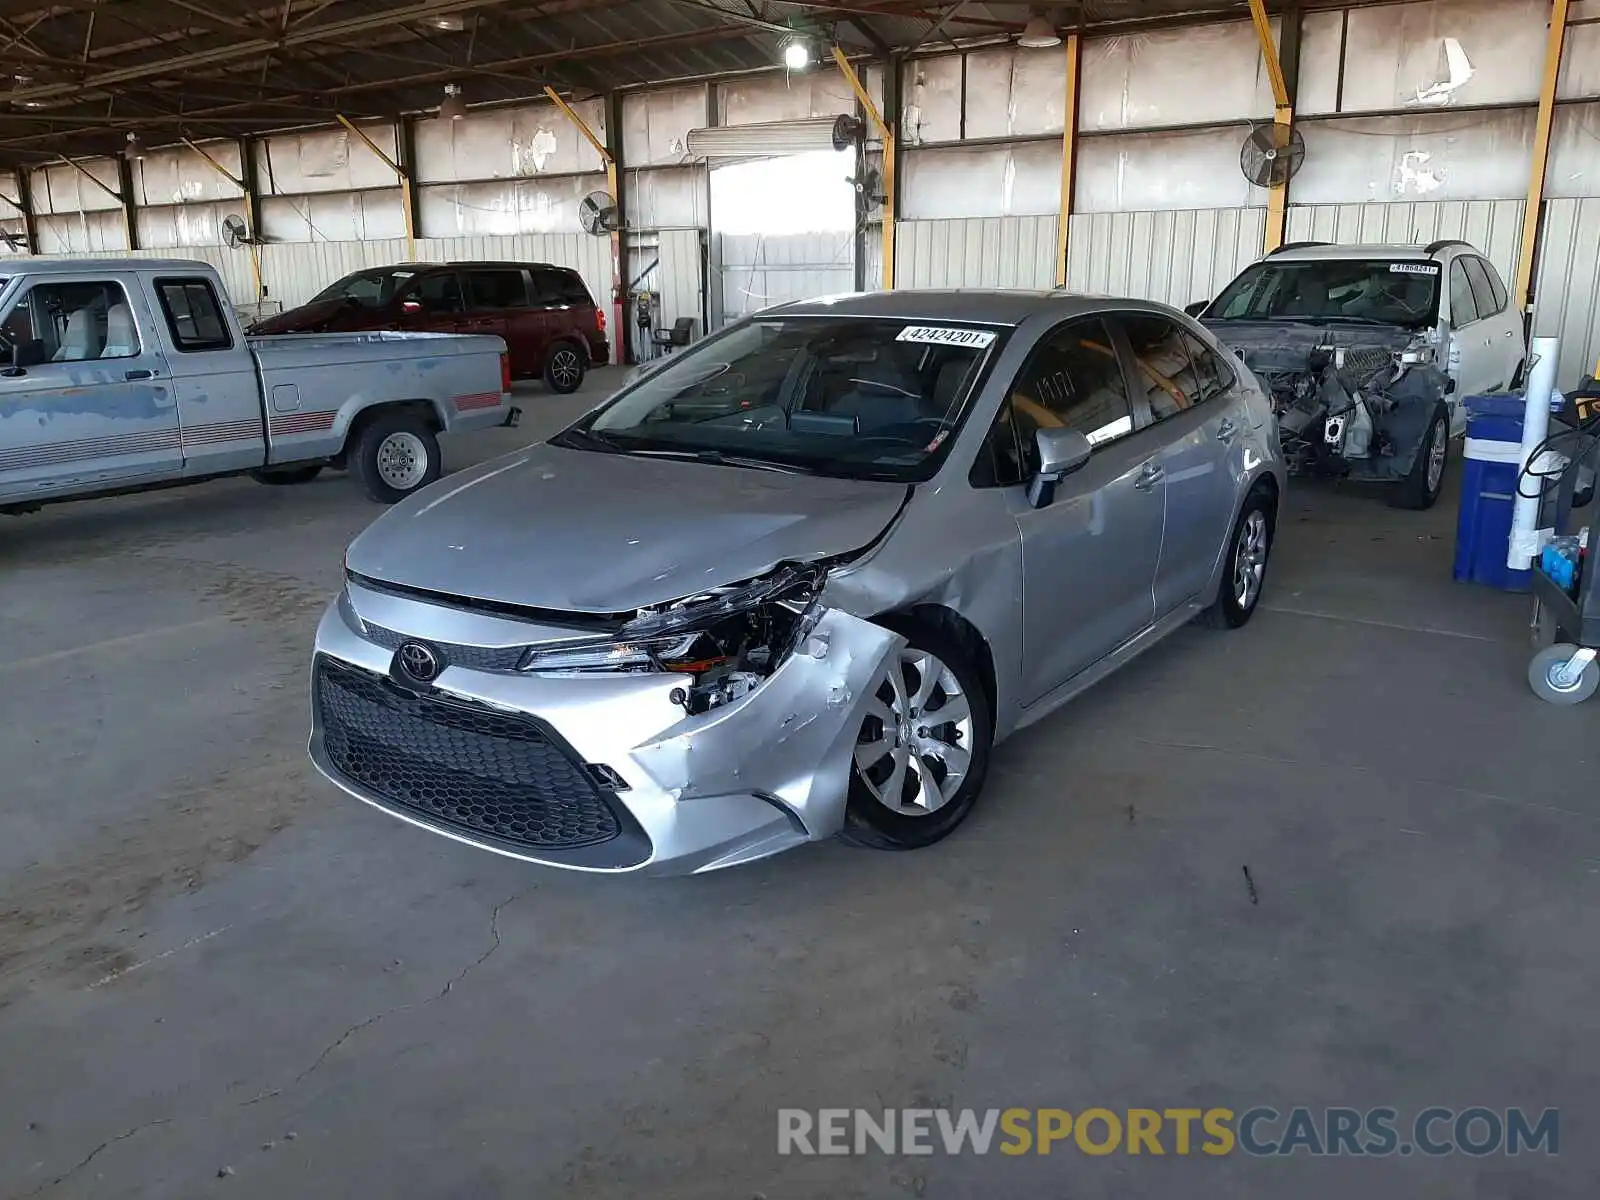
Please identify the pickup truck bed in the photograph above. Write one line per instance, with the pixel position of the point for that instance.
(119, 375)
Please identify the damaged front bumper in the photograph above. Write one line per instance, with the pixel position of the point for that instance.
(1353, 402)
(597, 772)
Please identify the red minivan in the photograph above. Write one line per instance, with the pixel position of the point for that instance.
(552, 328)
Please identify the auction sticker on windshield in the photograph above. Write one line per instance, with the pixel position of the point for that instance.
(1413, 268)
(940, 335)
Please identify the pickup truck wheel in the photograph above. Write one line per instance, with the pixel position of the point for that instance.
(394, 455)
(563, 369)
(283, 476)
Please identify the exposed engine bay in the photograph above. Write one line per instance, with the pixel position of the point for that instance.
(1350, 402)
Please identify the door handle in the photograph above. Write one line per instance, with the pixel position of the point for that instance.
(1150, 475)
(1228, 430)
(140, 374)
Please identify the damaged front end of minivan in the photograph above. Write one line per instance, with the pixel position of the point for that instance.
(1351, 402)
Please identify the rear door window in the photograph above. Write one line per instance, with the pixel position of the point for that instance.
(1164, 376)
(1482, 292)
(194, 316)
(1500, 297)
(1463, 305)
(497, 288)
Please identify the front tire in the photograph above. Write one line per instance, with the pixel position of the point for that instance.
(563, 369)
(922, 751)
(1420, 489)
(394, 455)
(1245, 575)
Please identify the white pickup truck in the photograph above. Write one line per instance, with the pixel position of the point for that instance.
(122, 374)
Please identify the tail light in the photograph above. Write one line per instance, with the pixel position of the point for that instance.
(599, 319)
(505, 372)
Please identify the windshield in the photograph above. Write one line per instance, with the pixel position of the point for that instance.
(870, 399)
(369, 289)
(1331, 290)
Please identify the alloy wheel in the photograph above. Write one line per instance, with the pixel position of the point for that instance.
(1250, 559)
(915, 745)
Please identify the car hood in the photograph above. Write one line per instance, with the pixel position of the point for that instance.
(590, 532)
(308, 318)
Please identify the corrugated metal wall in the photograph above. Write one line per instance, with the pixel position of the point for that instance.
(1493, 226)
(1567, 291)
(1175, 256)
(996, 252)
(680, 277)
(756, 272)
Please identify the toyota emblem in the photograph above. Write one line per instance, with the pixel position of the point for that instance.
(419, 661)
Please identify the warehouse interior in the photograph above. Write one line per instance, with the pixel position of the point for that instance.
(1343, 860)
(322, 135)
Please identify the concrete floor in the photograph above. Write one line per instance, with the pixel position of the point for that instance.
(212, 962)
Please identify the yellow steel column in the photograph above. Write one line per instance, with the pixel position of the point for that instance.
(1069, 154)
(1282, 116)
(249, 209)
(885, 135)
(619, 282)
(400, 174)
(1541, 152)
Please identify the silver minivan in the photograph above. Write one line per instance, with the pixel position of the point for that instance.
(798, 582)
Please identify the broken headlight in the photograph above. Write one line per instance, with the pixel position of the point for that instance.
(726, 639)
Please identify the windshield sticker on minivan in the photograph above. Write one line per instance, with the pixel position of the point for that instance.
(1409, 268)
(939, 335)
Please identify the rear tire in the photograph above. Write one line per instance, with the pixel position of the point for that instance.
(393, 455)
(284, 476)
(898, 799)
(1420, 489)
(1244, 576)
(564, 368)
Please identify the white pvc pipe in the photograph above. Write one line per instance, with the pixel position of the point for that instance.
(1535, 428)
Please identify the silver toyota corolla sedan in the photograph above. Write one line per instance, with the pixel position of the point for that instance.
(798, 581)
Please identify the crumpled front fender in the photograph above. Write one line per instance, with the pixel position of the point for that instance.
(793, 738)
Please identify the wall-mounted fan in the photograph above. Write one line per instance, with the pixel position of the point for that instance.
(597, 212)
(1272, 154)
(236, 233)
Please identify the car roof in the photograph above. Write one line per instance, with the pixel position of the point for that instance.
(1392, 250)
(978, 306)
(16, 265)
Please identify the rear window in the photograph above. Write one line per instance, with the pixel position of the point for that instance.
(556, 285)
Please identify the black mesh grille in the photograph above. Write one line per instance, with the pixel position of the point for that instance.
(463, 768)
(476, 658)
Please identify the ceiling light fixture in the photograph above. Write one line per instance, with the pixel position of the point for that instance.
(134, 150)
(453, 23)
(453, 107)
(796, 54)
(1038, 34)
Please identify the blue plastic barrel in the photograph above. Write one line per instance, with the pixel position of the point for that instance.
(1490, 468)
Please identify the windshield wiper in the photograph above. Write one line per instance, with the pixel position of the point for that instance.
(1354, 320)
(722, 459)
(576, 438)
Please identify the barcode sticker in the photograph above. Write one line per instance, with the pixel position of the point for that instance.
(943, 335)
(1413, 268)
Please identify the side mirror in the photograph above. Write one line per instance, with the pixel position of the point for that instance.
(411, 307)
(1195, 309)
(1061, 452)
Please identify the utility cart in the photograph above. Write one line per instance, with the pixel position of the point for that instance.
(1565, 583)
